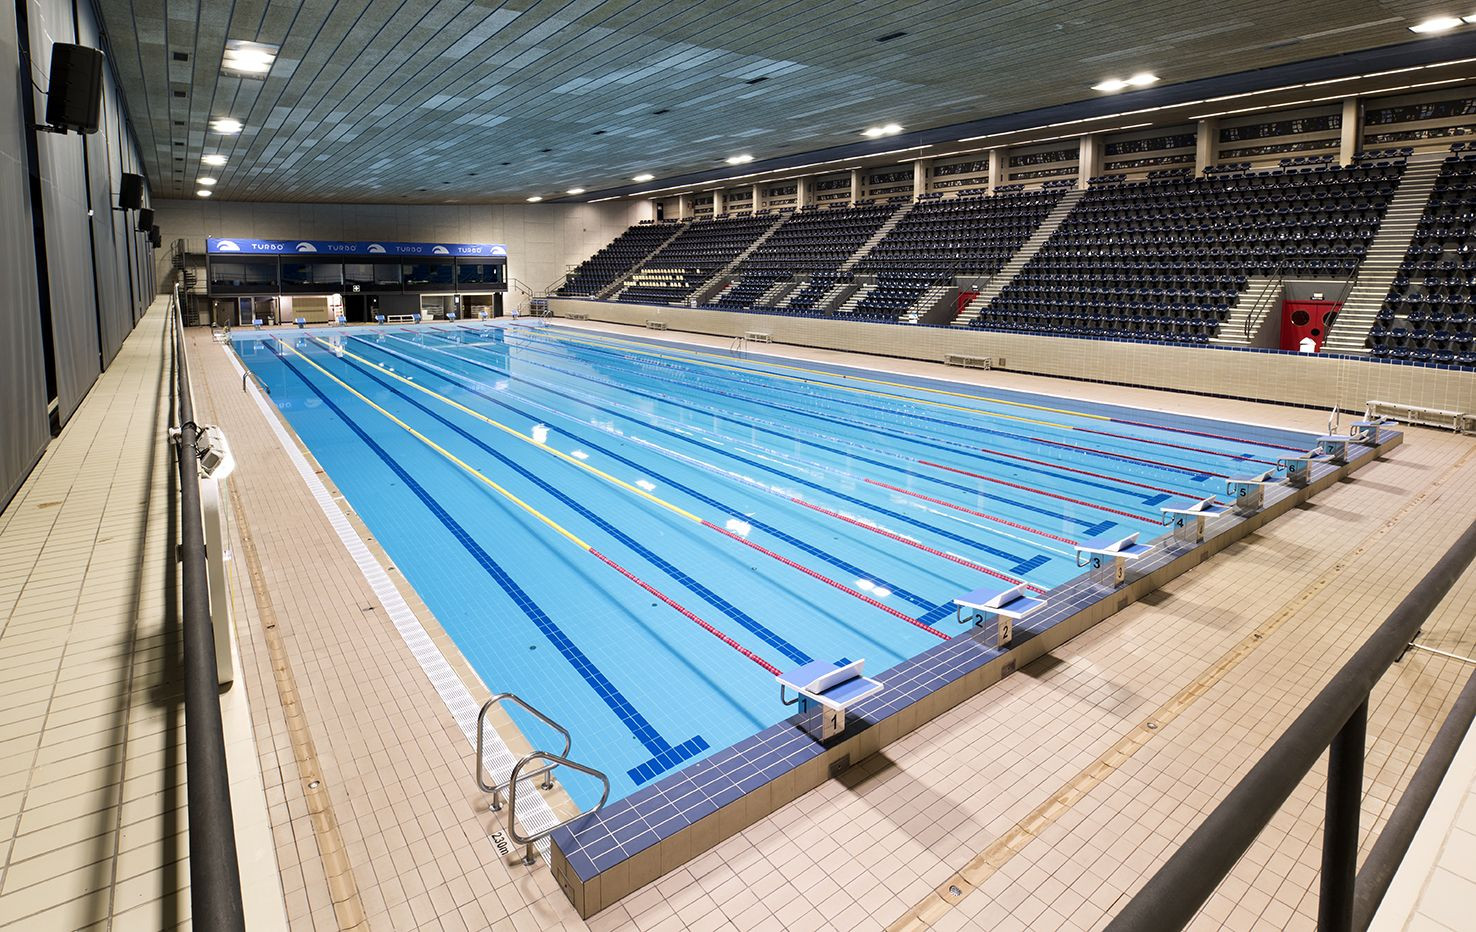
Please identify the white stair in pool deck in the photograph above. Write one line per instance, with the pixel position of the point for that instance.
(877, 237)
(620, 280)
(1255, 300)
(1385, 255)
(924, 303)
(853, 300)
(1023, 255)
(702, 295)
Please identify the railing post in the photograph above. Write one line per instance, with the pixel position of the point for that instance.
(1340, 829)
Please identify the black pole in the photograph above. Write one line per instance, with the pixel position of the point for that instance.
(1340, 825)
(215, 876)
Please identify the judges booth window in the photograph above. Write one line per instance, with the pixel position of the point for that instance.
(243, 276)
(311, 277)
(428, 275)
(470, 275)
(371, 276)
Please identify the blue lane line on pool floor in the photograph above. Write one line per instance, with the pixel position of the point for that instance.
(466, 383)
(661, 750)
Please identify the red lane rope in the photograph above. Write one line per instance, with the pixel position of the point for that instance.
(1026, 488)
(690, 615)
(961, 561)
(1138, 459)
(1165, 443)
(1086, 472)
(977, 514)
(829, 582)
(1203, 433)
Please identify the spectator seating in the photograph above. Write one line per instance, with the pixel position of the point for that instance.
(627, 250)
(1165, 259)
(693, 256)
(1426, 316)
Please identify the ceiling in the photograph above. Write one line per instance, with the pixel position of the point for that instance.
(478, 102)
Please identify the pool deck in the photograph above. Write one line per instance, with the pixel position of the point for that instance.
(1045, 799)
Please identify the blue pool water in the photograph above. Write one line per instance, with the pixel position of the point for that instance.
(634, 537)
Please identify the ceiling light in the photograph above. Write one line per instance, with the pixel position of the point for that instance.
(644, 178)
(875, 132)
(739, 159)
(248, 59)
(1436, 24)
(1143, 79)
(214, 159)
(203, 192)
(575, 191)
(226, 125)
(1110, 85)
(534, 199)
(207, 182)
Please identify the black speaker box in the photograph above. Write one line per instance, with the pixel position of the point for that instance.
(145, 220)
(155, 239)
(74, 100)
(131, 194)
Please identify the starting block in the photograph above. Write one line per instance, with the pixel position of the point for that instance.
(450, 315)
(832, 689)
(1298, 467)
(256, 322)
(1334, 448)
(1110, 556)
(301, 322)
(1366, 431)
(1248, 492)
(379, 318)
(340, 320)
(998, 601)
(1199, 512)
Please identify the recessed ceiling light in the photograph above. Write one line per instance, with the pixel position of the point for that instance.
(1143, 79)
(203, 192)
(739, 159)
(1436, 24)
(1112, 85)
(575, 191)
(646, 177)
(214, 159)
(534, 199)
(207, 182)
(226, 125)
(874, 132)
(248, 59)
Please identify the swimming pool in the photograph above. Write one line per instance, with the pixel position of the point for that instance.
(637, 537)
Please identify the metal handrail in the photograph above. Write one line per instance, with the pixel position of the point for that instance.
(1262, 305)
(555, 760)
(215, 874)
(1336, 719)
(496, 788)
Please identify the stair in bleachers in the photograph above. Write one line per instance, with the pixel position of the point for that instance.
(929, 300)
(1024, 254)
(780, 290)
(1257, 300)
(701, 295)
(619, 280)
(1385, 255)
(878, 236)
(849, 305)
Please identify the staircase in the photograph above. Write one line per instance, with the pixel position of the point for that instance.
(849, 306)
(768, 298)
(1023, 255)
(620, 280)
(878, 236)
(926, 302)
(1259, 300)
(1385, 255)
(701, 295)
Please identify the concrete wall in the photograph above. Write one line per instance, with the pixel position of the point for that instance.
(541, 239)
(1319, 381)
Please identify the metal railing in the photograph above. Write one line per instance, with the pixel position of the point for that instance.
(1263, 304)
(496, 788)
(1337, 720)
(215, 875)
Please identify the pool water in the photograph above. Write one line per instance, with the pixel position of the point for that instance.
(636, 537)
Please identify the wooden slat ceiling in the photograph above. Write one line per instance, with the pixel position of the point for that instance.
(438, 101)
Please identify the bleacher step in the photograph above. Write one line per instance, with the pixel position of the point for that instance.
(1024, 254)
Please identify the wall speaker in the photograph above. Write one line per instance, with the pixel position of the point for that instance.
(155, 240)
(131, 193)
(145, 220)
(74, 99)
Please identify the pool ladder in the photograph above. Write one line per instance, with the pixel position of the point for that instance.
(517, 775)
(739, 346)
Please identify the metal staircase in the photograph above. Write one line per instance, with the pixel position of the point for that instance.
(620, 280)
(711, 286)
(1024, 254)
(1385, 255)
(878, 236)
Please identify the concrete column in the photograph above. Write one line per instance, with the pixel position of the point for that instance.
(1089, 156)
(920, 169)
(998, 160)
(855, 185)
(758, 197)
(684, 207)
(804, 192)
(1206, 144)
(1352, 138)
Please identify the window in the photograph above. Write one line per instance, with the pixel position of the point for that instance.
(317, 277)
(371, 276)
(428, 275)
(471, 274)
(243, 276)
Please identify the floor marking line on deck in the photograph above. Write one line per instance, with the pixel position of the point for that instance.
(987, 862)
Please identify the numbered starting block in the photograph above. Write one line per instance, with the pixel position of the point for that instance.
(340, 320)
(1333, 448)
(1366, 431)
(450, 315)
(997, 604)
(1298, 467)
(256, 322)
(832, 689)
(379, 318)
(1248, 492)
(1108, 558)
(301, 322)
(1181, 519)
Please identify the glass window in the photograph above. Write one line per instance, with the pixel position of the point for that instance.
(478, 273)
(312, 276)
(428, 275)
(371, 276)
(243, 276)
